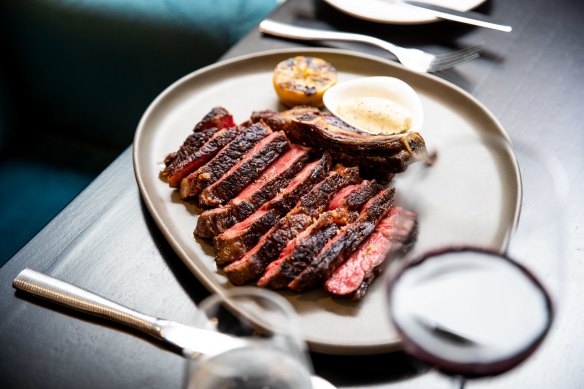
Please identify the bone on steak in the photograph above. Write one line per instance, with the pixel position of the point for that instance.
(246, 170)
(216, 119)
(392, 234)
(299, 252)
(342, 246)
(254, 262)
(234, 242)
(279, 174)
(192, 162)
(310, 127)
(209, 173)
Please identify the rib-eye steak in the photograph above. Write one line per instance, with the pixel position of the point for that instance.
(245, 171)
(393, 233)
(338, 249)
(279, 174)
(234, 242)
(213, 170)
(278, 215)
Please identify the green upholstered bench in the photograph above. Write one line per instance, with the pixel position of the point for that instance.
(75, 77)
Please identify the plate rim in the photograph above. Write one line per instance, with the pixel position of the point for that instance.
(210, 285)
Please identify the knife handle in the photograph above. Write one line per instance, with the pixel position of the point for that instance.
(79, 299)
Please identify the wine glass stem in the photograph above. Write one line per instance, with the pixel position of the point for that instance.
(459, 382)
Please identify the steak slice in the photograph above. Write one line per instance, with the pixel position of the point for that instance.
(309, 126)
(192, 162)
(279, 174)
(300, 250)
(234, 242)
(254, 262)
(342, 246)
(246, 170)
(216, 119)
(209, 173)
(354, 197)
(237, 240)
(393, 233)
(193, 143)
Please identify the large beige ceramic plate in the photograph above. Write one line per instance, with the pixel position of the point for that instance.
(243, 85)
(388, 11)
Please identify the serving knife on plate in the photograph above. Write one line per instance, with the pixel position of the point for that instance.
(192, 341)
(468, 17)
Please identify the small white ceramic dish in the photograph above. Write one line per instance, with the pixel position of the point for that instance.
(386, 88)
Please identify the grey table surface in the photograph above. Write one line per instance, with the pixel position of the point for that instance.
(531, 79)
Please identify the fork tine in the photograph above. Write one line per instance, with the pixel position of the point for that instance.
(447, 61)
(458, 53)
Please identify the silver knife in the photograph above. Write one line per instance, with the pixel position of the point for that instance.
(192, 340)
(468, 17)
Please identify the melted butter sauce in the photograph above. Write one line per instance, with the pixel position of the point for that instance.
(376, 115)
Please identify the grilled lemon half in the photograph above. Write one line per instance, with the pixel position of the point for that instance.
(303, 80)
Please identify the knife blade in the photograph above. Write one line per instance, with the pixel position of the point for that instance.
(193, 341)
(468, 17)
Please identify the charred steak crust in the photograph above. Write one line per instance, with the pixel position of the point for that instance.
(286, 200)
(310, 127)
(216, 119)
(201, 156)
(304, 247)
(233, 246)
(344, 243)
(245, 207)
(212, 171)
(275, 177)
(253, 264)
(192, 143)
(279, 206)
(245, 171)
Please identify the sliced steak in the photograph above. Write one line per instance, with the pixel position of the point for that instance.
(342, 246)
(234, 242)
(217, 119)
(209, 173)
(393, 233)
(254, 262)
(192, 162)
(302, 249)
(279, 174)
(308, 126)
(245, 171)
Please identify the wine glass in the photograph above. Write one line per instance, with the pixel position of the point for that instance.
(478, 291)
(271, 353)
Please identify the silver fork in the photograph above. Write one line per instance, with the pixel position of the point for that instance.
(414, 59)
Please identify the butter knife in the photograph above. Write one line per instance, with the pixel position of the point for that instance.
(468, 17)
(192, 341)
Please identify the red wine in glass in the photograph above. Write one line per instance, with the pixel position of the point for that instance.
(469, 312)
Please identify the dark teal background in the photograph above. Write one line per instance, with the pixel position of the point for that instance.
(75, 78)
